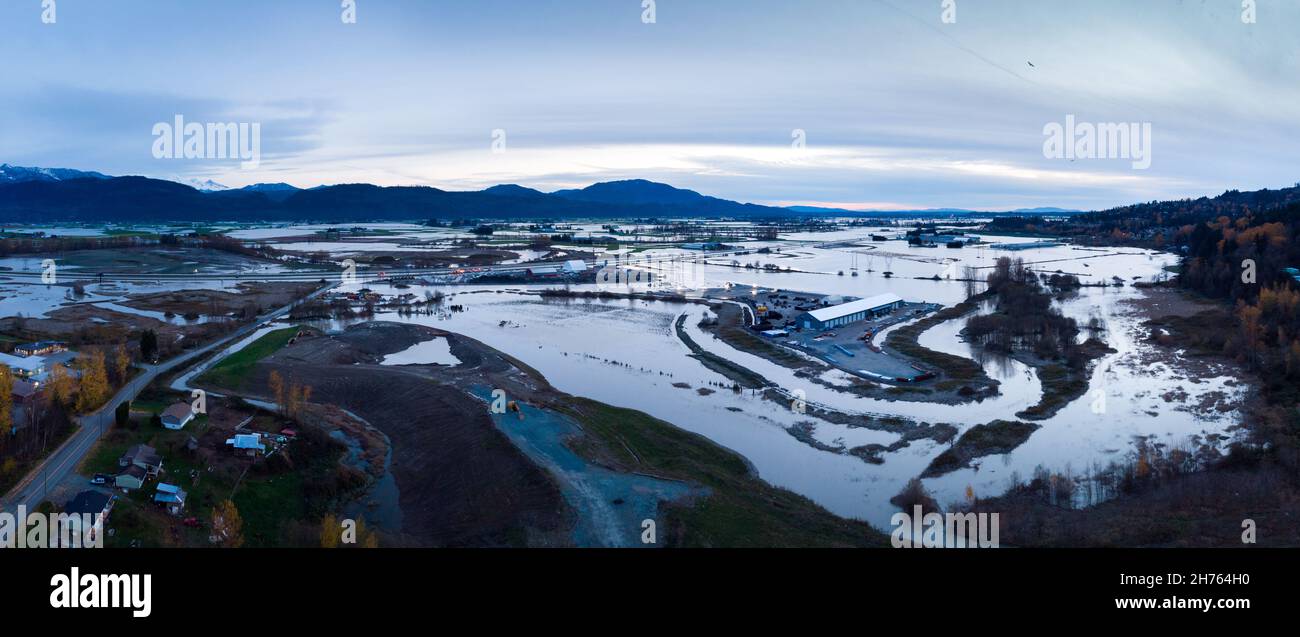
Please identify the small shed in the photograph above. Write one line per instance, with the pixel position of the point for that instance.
(252, 443)
(171, 497)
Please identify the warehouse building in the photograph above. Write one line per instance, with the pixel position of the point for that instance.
(851, 312)
(24, 366)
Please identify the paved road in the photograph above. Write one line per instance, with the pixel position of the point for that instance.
(32, 489)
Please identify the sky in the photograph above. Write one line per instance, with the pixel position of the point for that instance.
(861, 104)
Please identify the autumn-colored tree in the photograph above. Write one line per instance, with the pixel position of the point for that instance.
(291, 397)
(366, 538)
(60, 385)
(299, 395)
(6, 400)
(93, 387)
(1248, 317)
(121, 363)
(227, 526)
(276, 384)
(329, 532)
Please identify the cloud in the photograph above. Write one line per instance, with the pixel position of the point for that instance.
(111, 132)
(898, 107)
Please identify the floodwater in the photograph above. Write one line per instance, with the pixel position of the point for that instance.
(436, 351)
(33, 299)
(626, 353)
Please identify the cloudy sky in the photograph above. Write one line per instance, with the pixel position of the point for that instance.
(899, 109)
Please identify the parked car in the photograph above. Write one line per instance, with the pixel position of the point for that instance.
(101, 478)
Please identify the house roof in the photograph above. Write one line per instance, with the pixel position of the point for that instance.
(246, 441)
(41, 345)
(87, 502)
(853, 307)
(24, 363)
(178, 411)
(170, 494)
(25, 388)
(135, 471)
(142, 454)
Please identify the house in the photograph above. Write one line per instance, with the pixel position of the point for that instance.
(132, 477)
(24, 366)
(575, 266)
(249, 442)
(84, 516)
(171, 497)
(177, 416)
(25, 391)
(142, 456)
(40, 348)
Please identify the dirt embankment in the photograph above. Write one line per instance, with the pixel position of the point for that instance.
(461, 481)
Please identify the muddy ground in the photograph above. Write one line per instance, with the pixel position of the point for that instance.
(461, 481)
(260, 295)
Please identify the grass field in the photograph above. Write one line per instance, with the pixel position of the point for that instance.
(231, 372)
(740, 511)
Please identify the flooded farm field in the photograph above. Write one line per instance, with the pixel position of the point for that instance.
(626, 353)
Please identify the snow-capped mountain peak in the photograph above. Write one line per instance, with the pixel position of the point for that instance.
(205, 185)
(14, 174)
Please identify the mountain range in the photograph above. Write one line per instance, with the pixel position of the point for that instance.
(42, 195)
(15, 174)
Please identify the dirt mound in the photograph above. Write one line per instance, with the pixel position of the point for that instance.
(461, 481)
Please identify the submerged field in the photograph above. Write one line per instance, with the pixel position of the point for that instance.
(852, 450)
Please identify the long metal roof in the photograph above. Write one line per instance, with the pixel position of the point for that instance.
(853, 307)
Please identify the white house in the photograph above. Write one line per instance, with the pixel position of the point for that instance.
(177, 416)
(575, 266)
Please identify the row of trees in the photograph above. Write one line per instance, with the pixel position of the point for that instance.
(290, 397)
